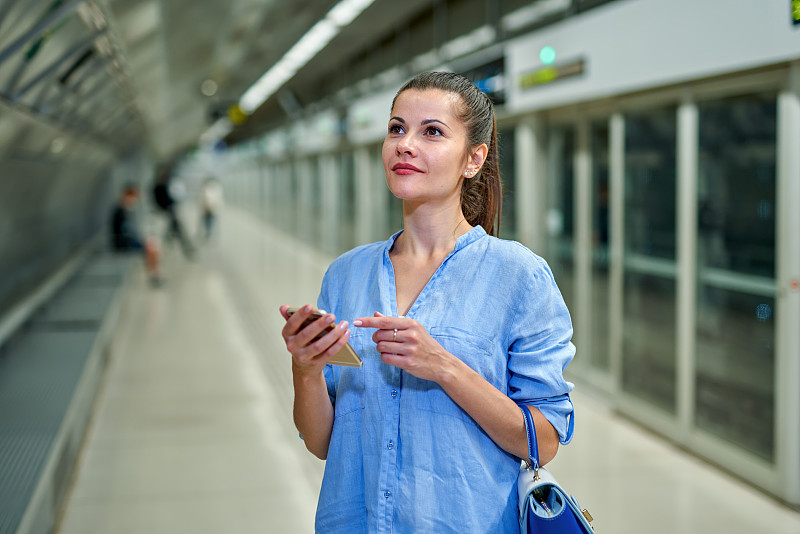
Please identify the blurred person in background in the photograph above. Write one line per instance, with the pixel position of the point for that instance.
(165, 198)
(126, 237)
(458, 331)
(210, 203)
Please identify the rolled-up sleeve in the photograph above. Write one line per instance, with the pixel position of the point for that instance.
(540, 349)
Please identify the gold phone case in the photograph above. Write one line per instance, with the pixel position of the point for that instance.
(346, 356)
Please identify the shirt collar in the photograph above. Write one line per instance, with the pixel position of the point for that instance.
(473, 235)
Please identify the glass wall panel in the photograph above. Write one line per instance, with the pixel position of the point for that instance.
(650, 184)
(268, 172)
(648, 346)
(601, 296)
(381, 195)
(560, 219)
(315, 210)
(736, 368)
(266, 187)
(735, 353)
(304, 171)
(508, 222)
(347, 205)
(649, 359)
(737, 184)
(280, 185)
(283, 181)
(255, 187)
(294, 197)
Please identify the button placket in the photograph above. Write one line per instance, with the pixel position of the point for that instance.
(390, 433)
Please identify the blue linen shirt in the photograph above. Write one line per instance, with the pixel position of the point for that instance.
(403, 457)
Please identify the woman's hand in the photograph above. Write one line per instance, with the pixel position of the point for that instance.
(404, 343)
(312, 410)
(308, 356)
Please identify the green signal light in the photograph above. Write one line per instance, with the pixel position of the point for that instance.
(548, 55)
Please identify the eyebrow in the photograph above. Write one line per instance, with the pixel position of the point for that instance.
(423, 123)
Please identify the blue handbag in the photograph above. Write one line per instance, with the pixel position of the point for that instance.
(544, 506)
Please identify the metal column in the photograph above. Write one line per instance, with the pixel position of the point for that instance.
(787, 367)
(529, 183)
(686, 217)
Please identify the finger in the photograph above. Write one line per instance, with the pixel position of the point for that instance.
(334, 349)
(308, 352)
(383, 322)
(302, 327)
(315, 330)
(284, 311)
(294, 321)
(390, 347)
(394, 360)
(335, 339)
(387, 334)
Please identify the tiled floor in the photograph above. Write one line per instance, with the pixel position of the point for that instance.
(193, 430)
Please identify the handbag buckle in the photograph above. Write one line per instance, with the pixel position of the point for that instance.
(587, 515)
(534, 467)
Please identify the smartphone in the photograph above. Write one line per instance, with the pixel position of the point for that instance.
(346, 356)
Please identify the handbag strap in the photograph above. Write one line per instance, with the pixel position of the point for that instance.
(533, 446)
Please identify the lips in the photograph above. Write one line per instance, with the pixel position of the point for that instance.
(405, 168)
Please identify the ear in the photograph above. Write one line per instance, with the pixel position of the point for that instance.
(475, 159)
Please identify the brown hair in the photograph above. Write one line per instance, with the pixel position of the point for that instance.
(481, 195)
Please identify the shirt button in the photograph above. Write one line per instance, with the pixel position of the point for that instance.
(394, 393)
(390, 446)
(387, 494)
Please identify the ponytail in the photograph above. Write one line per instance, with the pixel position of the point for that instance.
(482, 195)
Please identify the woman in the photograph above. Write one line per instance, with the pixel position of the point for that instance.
(457, 330)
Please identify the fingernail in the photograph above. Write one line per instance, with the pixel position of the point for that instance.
(307, 308)
(343, 325)
(329, 318)
(357, 323)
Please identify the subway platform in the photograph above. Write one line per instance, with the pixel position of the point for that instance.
(192, 430)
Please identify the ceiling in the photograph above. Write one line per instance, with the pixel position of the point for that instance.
(175, 45)
(125, 73)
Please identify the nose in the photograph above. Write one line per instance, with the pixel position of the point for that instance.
(405, 145)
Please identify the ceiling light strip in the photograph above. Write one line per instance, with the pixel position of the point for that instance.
(314, 40)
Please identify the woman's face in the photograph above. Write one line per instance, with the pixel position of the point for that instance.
(425, 151)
